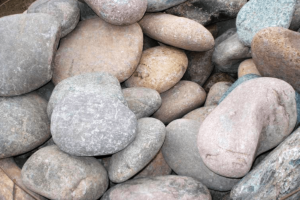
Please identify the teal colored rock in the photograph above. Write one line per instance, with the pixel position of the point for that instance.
(159, 5)
(260, 14)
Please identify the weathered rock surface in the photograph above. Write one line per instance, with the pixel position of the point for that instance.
(254, 118)
(159, 5)
(160, 69)
(96, 46)
(184, 97)
(216, 92)
(177, 31)
(28, 44)
(159, 188)
(257, 15)
(57, 175)
(24, 124)
(247, 67)
(215, 78)
(199, 114)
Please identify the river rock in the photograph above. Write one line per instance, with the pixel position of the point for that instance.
(257, 15)
(57, 175)
(199, 114)
(160, 69)
(247, 67)
(227, 34)
(66, 12)
(181, 153)
(215, 78)
(295, 23)
(143, 102)
(159, 188)
(128, 162)
(96, 46)
(85, 11)
(24, 124)
(177, 31)
(159, 5)
(200, 66)
(276, 176)
(184, 97)
(208, 11)
(229, 54)
(276, 52)
(28, 44)
(254, 118)
(90, 124)
(216, 92)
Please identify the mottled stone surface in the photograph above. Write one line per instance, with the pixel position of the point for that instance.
(95, 46)
(160, 69)
(28, 44)
(128, 162)
(254, 118)
(184, 97)
(208, 11)
(181, 153)
(177, 31)
(276, 53)
(200, 66)
(24, 124)
(159, 5)
(238, 82)
(229, 54)
(57, 175)
(295, 23)
(103, 83)
(90, 124)
(247, 67)
(159, 188)
(216, 92)
(276, 176)
(46, 90)
(85, 11)
(143, 102)
(66, 12)
(215, 78)
(227, 34)
(257, 15)
(199, 114)
(120, 12)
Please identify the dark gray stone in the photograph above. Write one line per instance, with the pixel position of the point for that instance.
(159, 5)
(217, 195)
(276, 176)
(46, 91)
(86, 12)
(295, 24)
(227, 34)
(181, 153)
(24, 124)
(90, 124)
(128, 162)
(224, 26)
(57, 175)
(149, 43)
(28, 44)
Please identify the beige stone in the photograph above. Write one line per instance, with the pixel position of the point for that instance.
(247, 67)
(199, 114)
(216, 92)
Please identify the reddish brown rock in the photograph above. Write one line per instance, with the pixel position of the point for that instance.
(247, 67)
(216, 92)
(254, 118)
(276, 53)
(217, 77)
(200, 114)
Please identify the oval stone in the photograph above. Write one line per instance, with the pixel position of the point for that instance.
(96, 45)
(177, 31)
(247, 67)
(216, 92)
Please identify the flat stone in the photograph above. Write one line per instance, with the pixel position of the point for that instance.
(160, 69)
(177, 31)
(123, 12)
(90, 124)
(66, 12)
(216, 92)
(276, 53)
(57, 175)
(254, 118)
(199, 114)
(85, 11)
(181, 153)
(28, 44)
(96, 46)
(276, 176)
(215, 78)
(24, 124)
(184, 97)
(128, 162)
(143, 102)
(247, 67)
(257, 15)
(159, 5)
(159, 188)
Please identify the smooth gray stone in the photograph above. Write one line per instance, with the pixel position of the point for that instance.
(24, 124)
(86, 12)
(28, 44)
(230, 32)
(295, 24)
(229, 54)
(182, 155)
(57, 175)
(159, 5)
(90, 124)
(46, 91)
(257, 15)
(143, 102)
(224, 26)
(276, 176)
(103, 82)
(128, 162)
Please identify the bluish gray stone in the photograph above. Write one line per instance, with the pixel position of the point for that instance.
(238, 82)
(258, 14)
(159, 5)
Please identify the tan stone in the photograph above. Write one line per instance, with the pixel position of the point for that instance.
(199, 114)
(96, 46)
(215, 78)
(160, 69)
(216, 92)
(247, 67)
